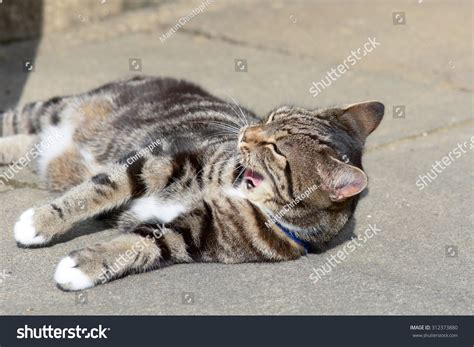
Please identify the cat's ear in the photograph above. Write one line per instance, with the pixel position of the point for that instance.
(342, 180)
(364, 117)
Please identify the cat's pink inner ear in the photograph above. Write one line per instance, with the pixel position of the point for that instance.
(364, 117)
(346, 181)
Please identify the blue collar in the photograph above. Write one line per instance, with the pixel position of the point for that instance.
(292, 235)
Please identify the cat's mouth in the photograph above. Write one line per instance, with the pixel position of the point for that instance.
(252, 179)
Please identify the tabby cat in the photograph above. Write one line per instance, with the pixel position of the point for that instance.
(192, 177)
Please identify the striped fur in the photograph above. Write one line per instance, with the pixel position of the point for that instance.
(196, 178)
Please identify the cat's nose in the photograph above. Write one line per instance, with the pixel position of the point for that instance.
(253, 135)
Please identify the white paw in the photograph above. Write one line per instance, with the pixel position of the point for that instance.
(69, 277)
(25, 232)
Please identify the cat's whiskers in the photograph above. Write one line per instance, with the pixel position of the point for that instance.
(231, 120)
(221, 125)
(221, 133)
(234, 123)
(246, 123)
(214, 112)
(243, 168)
(238, 115)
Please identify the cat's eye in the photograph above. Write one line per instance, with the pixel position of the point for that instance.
(276, 150)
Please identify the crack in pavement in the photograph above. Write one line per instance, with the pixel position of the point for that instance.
(288, 53)
(463, 123)
(232, 41)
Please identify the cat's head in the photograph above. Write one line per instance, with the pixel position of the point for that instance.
(300, 161)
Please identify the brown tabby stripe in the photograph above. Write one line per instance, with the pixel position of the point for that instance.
(289, 181)
(207, 232)
(269, 236)
(242, 232)
(145, 229)
(221, 172)
(134, 171)
(15, 123)
(104, 179)
(215, 162)
(148, 230)
(164, 248)
(221, 229)
(278, 192)
(191, 246)
(59, 210)
(178, 169)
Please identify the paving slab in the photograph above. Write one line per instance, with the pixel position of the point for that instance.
(418, 263)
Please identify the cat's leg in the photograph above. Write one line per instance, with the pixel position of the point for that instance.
(15, 147)
(128, 253)
(103, 192)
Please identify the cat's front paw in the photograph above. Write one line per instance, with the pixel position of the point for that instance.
(69, 276)
(26, 234)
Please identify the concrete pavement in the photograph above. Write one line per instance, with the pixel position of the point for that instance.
(420, 262)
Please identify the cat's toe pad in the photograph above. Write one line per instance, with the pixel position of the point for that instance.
(25, 232)
(69, 276)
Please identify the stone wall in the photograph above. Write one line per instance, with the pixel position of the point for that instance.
(24, 19)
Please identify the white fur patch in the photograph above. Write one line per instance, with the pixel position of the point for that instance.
(234, 193)
(24, 231)
(89, 161)
(54, 141)
(151, 207)
(69, 277)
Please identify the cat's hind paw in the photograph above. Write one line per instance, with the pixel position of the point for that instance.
(69, 276)
(24, 231)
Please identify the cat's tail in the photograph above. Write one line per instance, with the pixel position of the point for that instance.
(6, 122)
(27, 119)
(22, 120)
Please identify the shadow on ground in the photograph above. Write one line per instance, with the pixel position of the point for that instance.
(20, 25)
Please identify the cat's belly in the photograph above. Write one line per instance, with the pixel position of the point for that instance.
(54, 141)
(151, 207)
(62, 160)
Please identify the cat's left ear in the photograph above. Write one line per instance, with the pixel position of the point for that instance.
(364, 117)
(342, 180)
